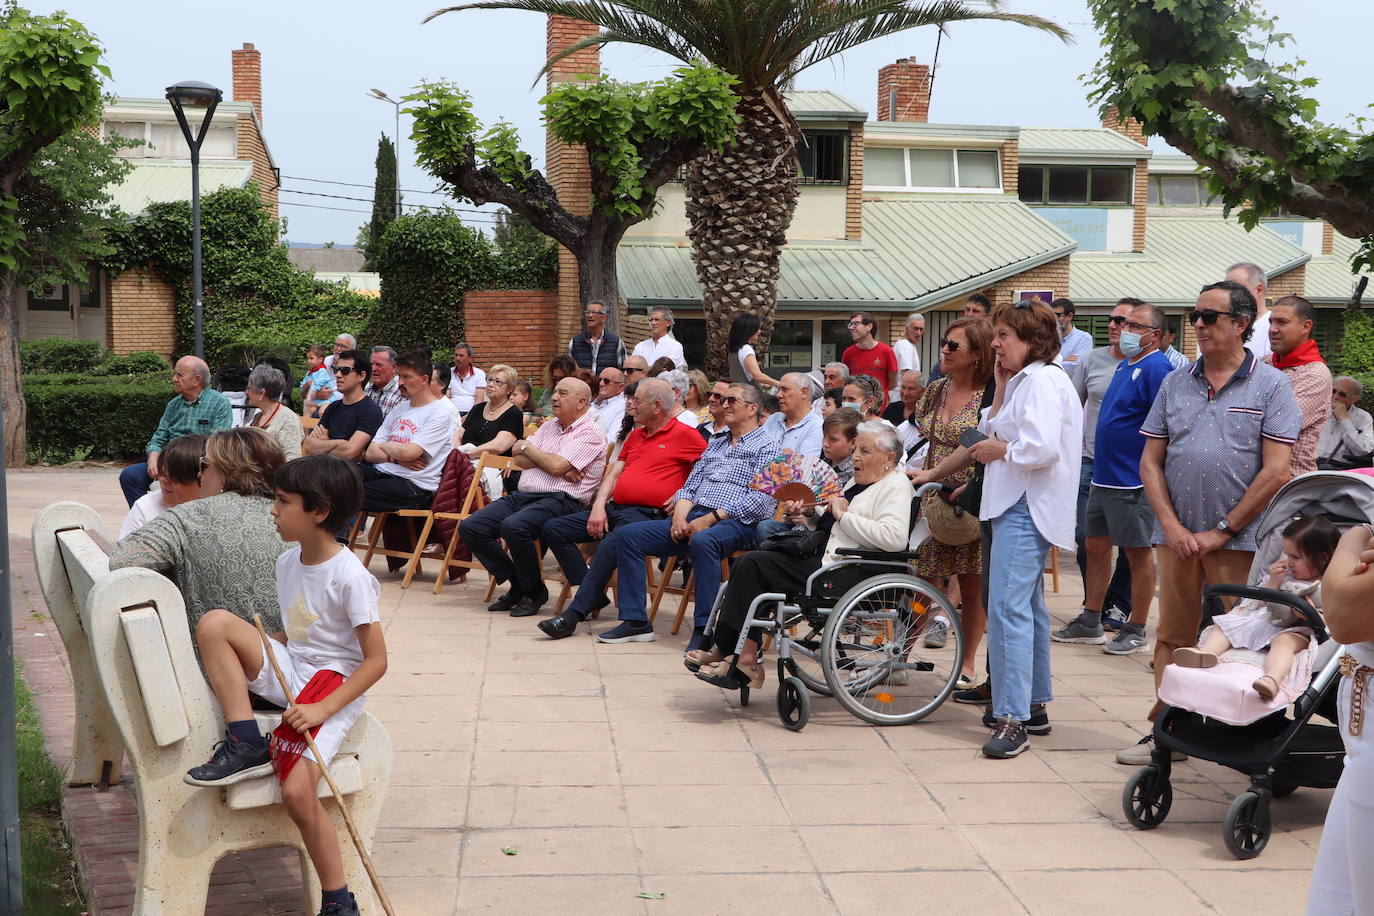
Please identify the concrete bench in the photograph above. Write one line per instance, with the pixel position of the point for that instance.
(140, 691)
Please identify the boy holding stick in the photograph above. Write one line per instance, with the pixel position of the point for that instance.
(331, 653)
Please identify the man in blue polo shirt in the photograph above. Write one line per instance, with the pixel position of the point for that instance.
(1117, 512)
(1219, 439)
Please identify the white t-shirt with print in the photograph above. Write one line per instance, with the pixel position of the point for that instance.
(321, 605)
(431, 428)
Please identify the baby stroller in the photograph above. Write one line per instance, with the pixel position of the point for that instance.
(232, 382)
(1279, 752)
(863, 645)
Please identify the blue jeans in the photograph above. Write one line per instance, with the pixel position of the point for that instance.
(706, 548)
(1119, 589)
(562, 535)
(1018, 619)
(135, 482)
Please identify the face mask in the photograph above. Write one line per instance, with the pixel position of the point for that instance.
(1130, 344)
(855, 405)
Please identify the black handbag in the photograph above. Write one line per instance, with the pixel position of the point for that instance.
(797, 542)
(971, 500)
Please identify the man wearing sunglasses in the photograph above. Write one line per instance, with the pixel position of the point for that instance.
(1219, 440)
(1347, 440)
(610, 400)
(1295, 354)
(348, 424)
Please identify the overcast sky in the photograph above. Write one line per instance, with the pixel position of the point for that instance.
(319, 59)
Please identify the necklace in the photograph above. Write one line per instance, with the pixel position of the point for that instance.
(269, 419)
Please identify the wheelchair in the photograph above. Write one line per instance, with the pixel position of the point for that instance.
(864, 645)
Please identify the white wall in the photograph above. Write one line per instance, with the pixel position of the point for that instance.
(820, 215)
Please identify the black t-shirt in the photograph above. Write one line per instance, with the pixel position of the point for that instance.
(478, 430)
(343, 420)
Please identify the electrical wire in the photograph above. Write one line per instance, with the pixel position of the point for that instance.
(296, 203)
(368, 200)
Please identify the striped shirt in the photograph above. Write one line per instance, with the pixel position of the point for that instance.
(721, 478)
(582, 444)
(206, 414)
(1312, 389)
(387, 396)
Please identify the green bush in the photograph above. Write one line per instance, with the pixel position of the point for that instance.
(60, 354)
(73, 414)
(140, 362)
(1357, 343)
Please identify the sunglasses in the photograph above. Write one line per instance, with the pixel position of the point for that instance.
(1207, 316)
(1338, 393)
(607, 381)
(628, 371)
(730, 400)
(344, 370)
(1117, 319)
(951, 346)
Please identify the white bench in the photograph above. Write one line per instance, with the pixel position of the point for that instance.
(139, 690)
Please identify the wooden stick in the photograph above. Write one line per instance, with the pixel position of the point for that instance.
(324, 770)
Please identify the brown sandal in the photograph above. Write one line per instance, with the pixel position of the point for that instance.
(697, 659)
(1266, 687)
(732, 676)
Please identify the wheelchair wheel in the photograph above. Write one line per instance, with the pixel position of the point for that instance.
(873, 655)
(806, 657)
(1147, 798)
(794, 704)
(1245, 830)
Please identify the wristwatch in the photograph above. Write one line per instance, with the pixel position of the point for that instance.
(523, 446)
(1225, 528)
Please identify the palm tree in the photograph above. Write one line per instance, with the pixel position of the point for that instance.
(740, 201)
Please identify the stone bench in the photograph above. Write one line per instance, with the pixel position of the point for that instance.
(140, 691)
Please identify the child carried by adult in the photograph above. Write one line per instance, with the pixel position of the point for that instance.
(331, 653)
(1275, 629)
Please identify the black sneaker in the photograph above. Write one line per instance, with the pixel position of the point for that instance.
(977, 696)
(233, 761)
(507, 601)
(341, 909)
(629, 631)
(1008, 739)
(1037, 724)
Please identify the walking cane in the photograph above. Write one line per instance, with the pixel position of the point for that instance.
(324, 770)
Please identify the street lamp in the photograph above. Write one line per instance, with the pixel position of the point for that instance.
(382, 96)
(196, 96)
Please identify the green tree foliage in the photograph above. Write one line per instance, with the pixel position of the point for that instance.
(50, 74)
(525, 257)
(1205, 75)
(385, 195)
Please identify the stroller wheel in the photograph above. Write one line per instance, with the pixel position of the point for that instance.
(1245, 830)
(794, 704)
(1147, 797)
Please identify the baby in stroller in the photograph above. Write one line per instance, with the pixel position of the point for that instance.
(1275, 629)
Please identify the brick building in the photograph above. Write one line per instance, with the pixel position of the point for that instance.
(135, 310)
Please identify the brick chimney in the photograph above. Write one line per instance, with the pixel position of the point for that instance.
(248, 76)
(1129, 127)
(904, 91)
(566, 166)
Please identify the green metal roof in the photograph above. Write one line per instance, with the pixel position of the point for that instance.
(1182, 254)
(1078, 143)
(811, 105)
(162, 180)
(1329, 278)
(916, 253)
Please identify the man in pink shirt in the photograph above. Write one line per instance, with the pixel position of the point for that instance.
(561, 467)
(868, 355)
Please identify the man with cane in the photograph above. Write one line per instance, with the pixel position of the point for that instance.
(331, 653)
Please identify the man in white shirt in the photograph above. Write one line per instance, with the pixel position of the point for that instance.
(468, 385)
(406, 459)
(342, 343)
(1253, 278)
(908, 351)
(661, 341)
(1347, 440)
(610, 402)
(794, 425)
(1074, 344)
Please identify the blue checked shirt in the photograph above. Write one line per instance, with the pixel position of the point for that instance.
(720, 479)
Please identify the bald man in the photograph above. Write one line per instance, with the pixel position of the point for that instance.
(196, 409)
(561, 465)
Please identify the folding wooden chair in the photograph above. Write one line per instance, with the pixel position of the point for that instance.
(1053, 569)
(418, 539)
(475, 501)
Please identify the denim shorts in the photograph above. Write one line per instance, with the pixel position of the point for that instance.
(1124, 516)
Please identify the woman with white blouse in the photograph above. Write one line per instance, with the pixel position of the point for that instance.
(741, 358)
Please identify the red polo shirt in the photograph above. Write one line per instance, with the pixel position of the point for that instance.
(877, 362)
(656, 466)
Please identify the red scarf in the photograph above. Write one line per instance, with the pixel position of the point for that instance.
(1304, 353)
(288, 744)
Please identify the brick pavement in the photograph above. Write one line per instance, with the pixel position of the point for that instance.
(612, 773)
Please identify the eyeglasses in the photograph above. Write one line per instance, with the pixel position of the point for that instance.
(1207, 316)
(1117, 319)
(344, 370)
(1135, 327)
(951, 346)
(590, 312)
(608, 381)
(855, 324)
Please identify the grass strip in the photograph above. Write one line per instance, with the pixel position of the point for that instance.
(50, 879)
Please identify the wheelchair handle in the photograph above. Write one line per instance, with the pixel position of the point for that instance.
(1211, 604)
(934, 487)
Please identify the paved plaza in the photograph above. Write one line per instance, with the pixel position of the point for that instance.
(616, 776)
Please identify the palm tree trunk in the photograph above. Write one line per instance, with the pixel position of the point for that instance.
(739, 206)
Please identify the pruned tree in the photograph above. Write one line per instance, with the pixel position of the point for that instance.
(1204, 75)
(52, 180)
(637, 136)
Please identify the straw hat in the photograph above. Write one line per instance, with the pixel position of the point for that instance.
(948, 524)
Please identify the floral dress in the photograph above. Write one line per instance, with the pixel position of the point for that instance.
(934, 559)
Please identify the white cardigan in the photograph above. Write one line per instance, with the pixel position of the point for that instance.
(879, 518)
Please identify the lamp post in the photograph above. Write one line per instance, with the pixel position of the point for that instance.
(382, 96)
(196, 96)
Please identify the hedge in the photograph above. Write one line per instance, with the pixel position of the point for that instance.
(75, 414)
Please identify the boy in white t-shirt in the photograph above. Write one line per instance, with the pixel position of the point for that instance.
(331, 653)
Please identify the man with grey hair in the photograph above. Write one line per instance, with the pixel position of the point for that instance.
(341, 343)
(384, 388)
(796, 426)
(902, 413)
(661, 341)
(655, 461)
(1347, 441)
(680, 381)
(1253, 278)
(908, 351)
(197, 408)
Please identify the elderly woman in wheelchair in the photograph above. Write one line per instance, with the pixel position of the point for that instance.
(872, 520)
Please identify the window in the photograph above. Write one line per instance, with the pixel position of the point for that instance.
(789, 349)
(1180, 191)
(824, 157)
(52, 299)
(1075, 185)
(90, 292)
(891, 167)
